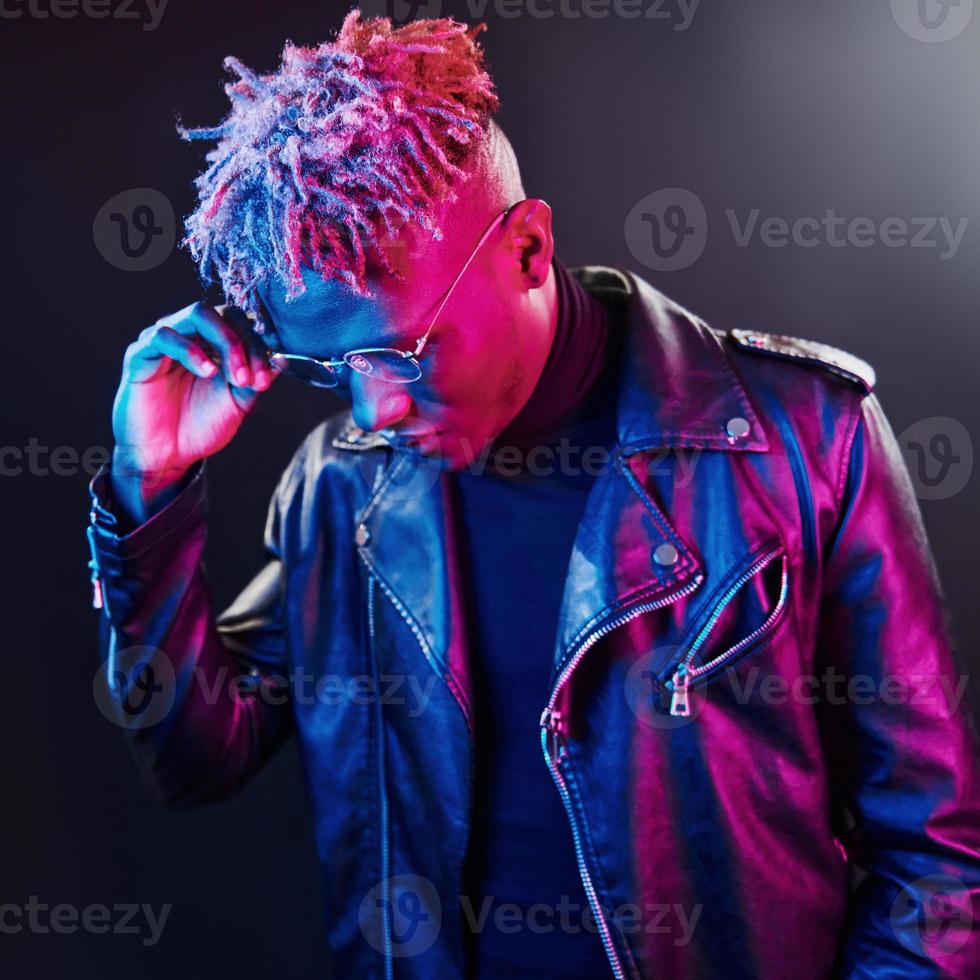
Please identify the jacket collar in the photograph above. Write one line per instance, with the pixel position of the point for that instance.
(678, 386)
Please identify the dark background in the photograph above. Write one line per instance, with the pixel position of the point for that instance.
(789, 107)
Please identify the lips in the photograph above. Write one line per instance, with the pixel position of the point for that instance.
(413, 432)
(428, 443)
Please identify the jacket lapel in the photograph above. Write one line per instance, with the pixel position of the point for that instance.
(409, 545)
(678, 390)
(626, 555)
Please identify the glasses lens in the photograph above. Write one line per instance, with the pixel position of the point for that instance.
(385, 365)
(306, 370)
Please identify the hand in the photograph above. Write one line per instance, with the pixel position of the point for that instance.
(187, 384)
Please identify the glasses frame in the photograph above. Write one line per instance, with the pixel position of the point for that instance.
(332, 365)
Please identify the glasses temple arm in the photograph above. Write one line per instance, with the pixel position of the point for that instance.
(490, 228)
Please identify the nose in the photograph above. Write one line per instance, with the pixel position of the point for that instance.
(378, 404)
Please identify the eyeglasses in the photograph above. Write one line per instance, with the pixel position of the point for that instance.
(382, 363)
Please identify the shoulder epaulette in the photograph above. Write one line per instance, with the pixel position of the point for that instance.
(833, 359)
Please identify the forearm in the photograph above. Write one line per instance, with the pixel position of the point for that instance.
(178, 688)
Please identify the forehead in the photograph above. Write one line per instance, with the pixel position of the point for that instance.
(328, 318)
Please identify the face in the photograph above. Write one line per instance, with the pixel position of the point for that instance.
(485, 351)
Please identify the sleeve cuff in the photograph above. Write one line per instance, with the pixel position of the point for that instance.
(190, 502)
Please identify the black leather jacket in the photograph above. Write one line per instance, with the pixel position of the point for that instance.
(757, 537)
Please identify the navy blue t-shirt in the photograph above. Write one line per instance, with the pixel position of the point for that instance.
(524, 901)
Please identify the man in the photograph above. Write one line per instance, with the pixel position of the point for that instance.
(678, 698)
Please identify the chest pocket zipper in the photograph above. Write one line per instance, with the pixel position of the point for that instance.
(686, 673)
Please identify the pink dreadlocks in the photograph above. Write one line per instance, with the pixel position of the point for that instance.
(318, 161)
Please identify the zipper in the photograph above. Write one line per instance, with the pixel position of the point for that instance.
(550, 724)
(373, 580)
(96, 576)
(383, 795)
(685, 672)
(613, 956)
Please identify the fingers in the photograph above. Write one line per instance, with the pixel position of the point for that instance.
(202, 321)
(226, 339)
(144, 355)
(262, 372)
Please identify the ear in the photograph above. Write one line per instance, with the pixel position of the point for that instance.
(528, 242)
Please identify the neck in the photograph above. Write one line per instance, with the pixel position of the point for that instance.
(574, 363)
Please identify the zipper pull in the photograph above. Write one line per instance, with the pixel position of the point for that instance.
(550, 721)
(96, 589)
(93, 564)
(679, 705)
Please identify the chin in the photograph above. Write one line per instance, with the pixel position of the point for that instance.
(449, 462)
(455, 453)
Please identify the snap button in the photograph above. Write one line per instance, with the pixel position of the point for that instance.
(737, 428)
(665, 554)
(362, 535)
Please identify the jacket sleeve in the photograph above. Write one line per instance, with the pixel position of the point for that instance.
(902, 743)
(203, 698)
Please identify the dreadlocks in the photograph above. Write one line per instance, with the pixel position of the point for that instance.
(319, 161)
